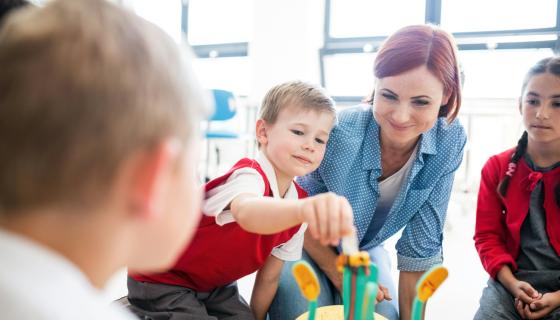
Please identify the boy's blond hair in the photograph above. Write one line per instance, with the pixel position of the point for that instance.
(304, 95)
(82, 87)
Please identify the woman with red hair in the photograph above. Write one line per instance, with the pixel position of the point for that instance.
(394, 159)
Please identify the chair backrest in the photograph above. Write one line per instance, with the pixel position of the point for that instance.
(225, 107)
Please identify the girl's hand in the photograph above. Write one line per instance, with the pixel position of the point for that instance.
(538, 308)
(524, 292)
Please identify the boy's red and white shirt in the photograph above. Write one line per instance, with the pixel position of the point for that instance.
(249, 181)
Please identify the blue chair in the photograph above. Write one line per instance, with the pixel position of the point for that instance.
(224, 109)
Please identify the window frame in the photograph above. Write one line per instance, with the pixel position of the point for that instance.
(219, 50)
(333, 45)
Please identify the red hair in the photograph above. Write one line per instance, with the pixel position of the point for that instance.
(418, 45)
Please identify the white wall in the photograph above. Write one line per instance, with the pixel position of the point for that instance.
(164, 13)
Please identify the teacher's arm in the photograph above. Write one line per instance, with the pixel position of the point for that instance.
(407, 291)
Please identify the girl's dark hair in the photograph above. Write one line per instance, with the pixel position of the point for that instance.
(512, 166)
(518, 154)
(547, 65)
(7, 6)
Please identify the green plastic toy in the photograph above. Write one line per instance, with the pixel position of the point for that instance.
(425, 288)
(359, 285)
(369, 301)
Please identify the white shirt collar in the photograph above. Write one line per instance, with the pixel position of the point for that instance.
(271, 175)
(40, 282)
(29, 254)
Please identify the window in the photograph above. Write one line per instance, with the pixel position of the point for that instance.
(219, 32)
(165, 14)
(497, 43)
(459, 16)
(362, 18)
(219, 21)
(349, 74)
(497, 73)
(229, 73)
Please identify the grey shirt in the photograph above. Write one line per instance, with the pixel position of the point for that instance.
(537, 261)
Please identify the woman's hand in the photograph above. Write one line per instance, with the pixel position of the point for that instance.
(539, 308)
(335, 277)
(383, 294)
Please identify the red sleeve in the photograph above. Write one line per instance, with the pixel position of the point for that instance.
(490, 228)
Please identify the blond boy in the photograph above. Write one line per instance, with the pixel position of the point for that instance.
(253, 217)
(97, 119)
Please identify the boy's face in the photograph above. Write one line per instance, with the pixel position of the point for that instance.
(295, 144)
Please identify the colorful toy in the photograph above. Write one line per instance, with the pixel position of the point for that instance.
(369, 301)
(427, 285)
(308, 283)
(359, 286)
(357, 273)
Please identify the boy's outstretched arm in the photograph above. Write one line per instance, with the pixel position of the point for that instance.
(264, 215)
(328, 215)
(266, 284)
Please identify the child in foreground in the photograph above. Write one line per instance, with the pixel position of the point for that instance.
(98, 119)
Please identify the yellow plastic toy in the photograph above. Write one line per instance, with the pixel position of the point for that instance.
(308, 284)
(425, 288)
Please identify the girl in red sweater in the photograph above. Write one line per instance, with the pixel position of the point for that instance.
(517, 232)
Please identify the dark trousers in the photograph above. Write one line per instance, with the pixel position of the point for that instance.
(497, 303)
(154, 301)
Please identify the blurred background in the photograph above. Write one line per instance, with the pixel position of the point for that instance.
(247, 46)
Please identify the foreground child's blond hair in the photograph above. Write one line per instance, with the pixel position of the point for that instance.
(83, 86)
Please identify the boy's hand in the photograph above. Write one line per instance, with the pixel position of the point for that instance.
(329, 217)
(539, 308)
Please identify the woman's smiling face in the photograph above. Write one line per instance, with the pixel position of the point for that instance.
(407, 105)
